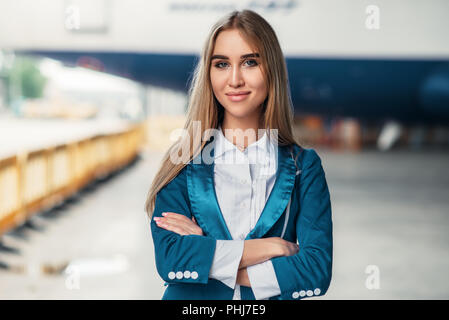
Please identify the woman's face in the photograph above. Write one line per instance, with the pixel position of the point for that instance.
(233, 71)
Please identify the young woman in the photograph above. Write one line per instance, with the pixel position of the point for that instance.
(238, 209)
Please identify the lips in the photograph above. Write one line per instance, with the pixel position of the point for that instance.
(240, 93)
(238, 96)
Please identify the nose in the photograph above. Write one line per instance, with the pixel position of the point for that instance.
(236, 79)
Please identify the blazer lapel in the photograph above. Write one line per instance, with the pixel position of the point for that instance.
(203, 200)
(205, 207)
(279, 196)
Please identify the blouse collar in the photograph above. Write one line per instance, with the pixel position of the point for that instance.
(262, 146)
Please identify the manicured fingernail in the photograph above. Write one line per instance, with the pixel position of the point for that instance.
(156, 218)
(164, 213)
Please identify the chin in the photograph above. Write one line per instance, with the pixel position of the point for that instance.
(239, 111)
(238, 114)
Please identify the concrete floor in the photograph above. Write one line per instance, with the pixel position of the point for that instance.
(390, 210)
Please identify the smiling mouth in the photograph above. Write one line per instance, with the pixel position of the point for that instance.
(238, 97)
(238, 93)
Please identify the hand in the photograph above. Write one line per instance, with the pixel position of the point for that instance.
(178, 223)
(262, 249)
(282, 247)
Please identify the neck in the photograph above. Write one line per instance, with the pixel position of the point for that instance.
(239, 126)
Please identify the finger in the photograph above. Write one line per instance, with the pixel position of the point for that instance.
(188, 226)
(171, 227)
(177, 222)
(184, 222)
(164, 222)
(175, 215)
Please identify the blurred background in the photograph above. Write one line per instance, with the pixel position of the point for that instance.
(90, 91)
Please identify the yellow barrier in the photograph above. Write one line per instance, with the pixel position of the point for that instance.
(40, 179)
(10, 199)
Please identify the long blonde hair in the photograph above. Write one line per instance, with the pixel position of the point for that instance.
(204, 107)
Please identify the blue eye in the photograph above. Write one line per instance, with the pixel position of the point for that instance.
(217, 65)
(255, 62)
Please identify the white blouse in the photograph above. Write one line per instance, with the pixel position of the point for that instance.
(243, 182)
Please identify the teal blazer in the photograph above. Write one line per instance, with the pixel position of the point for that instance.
(298, 209)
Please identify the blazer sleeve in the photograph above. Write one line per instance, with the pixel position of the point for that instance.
(180, 259)
(308, 273)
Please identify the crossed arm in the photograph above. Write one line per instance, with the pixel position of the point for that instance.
(299, 273)
(255, 251)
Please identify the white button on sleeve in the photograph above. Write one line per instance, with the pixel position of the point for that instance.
(317, 291)
(302, 293)
(179, 275)
(171, 275)
(295, 295)
(263, 280)
(194, 275)
(309, 293)
(187, 274)
(225, 264)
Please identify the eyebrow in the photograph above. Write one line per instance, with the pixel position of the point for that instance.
(249, 55)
